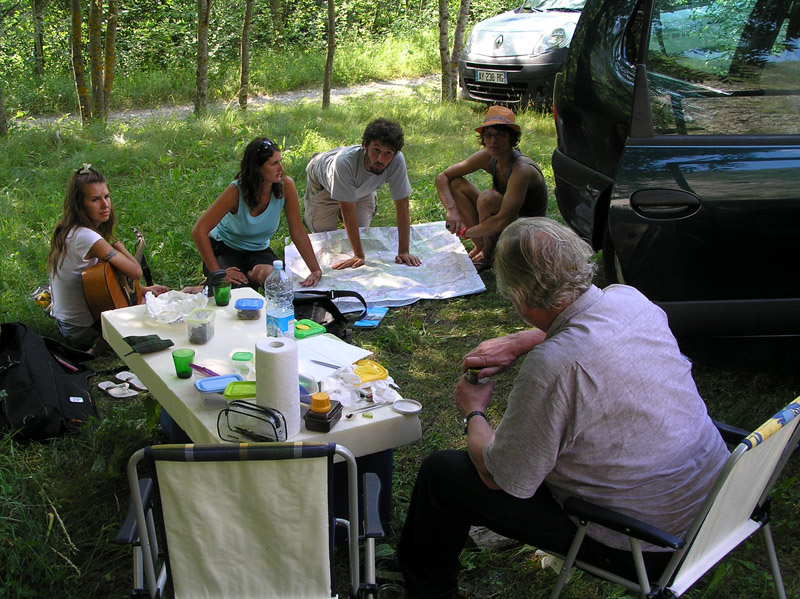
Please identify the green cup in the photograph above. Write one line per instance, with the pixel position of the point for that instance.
(182, 358)
(222, 292)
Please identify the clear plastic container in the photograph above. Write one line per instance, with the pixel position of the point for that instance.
(200, 325)
(243, 362)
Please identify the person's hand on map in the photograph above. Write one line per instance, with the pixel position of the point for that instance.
(353, 262)
(312, 279)
(408, 259)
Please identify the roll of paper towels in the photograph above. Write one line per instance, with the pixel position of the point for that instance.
(277, 383)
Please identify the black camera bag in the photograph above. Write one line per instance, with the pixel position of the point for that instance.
(318, 306)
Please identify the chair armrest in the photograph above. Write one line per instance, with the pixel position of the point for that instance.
(732, 435)
(372, 520)
(129, 533)
(621, 523)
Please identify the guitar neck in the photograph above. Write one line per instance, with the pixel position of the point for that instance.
(141, 258)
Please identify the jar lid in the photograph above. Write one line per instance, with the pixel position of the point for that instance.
(320, 402)
(249, 303)
(240, 390)
(216, 384)
(242, 356)
(200, 316)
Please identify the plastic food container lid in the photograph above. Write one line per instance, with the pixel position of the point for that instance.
(242, 356)
(240, 390)
(249, 303)
(368, 371)
(216, 384)
(200, 316)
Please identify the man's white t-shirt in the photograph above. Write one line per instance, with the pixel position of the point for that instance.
(341, 172)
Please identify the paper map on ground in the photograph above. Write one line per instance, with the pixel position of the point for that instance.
(446, 269)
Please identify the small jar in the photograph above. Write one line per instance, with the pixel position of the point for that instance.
(200, 325)
(248, 308)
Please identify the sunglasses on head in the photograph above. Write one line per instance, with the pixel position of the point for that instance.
(268, 144)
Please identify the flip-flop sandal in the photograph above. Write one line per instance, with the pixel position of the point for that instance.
(117, 390)
(130, 378)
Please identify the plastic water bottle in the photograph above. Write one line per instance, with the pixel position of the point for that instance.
(279, 298)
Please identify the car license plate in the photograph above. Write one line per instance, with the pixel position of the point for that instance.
(491, 77)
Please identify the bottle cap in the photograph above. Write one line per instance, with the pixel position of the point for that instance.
(320, 403)
(277, 264)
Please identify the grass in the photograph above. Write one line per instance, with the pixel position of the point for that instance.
(62, 501)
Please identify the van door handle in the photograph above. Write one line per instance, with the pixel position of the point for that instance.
(664, 203)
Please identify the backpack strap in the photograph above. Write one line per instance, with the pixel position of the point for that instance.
(336, 293)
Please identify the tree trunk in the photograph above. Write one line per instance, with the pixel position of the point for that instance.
(111, 54)
(276, 11)
(793, 28)
(458, 46)
(758, 37)
(77, 61)
(96, 57)
(326, 78)
(37, 6)
(201, 85)
(444, 55)
(244, 80)
(3, 121)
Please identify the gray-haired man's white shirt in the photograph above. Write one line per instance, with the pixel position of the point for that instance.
(606, 409)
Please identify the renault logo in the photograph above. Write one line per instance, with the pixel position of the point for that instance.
(498, 42)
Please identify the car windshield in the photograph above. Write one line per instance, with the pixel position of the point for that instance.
(542, 5)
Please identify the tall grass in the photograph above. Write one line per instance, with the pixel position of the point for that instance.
(62, 501)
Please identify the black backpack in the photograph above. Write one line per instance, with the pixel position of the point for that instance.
(318, 306)
(44, 385)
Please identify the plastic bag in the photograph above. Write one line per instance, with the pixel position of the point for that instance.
(173, 306)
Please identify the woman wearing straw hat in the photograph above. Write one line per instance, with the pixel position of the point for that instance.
(518, 187)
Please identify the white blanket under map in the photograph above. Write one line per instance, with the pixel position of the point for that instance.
(446, 269)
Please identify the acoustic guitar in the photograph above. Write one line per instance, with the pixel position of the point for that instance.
(107, 289)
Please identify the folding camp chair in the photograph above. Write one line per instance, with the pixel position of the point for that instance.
(736, 507)
(248, 520)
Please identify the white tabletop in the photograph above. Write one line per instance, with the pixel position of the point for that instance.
(362, 435)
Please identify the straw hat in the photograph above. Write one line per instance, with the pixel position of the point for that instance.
(498, 115)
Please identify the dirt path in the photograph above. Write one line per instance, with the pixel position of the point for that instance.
(396, 86)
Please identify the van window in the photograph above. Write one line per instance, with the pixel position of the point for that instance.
(725, 68)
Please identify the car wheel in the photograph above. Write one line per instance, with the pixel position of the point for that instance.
(611, 265)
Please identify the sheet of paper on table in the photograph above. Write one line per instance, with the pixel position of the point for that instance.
(328, 349)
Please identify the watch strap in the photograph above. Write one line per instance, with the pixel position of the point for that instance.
(470, 415)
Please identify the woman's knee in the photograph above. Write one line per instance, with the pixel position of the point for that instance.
(489, 200)
(260, 273)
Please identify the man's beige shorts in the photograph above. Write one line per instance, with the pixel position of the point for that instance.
(323, 214)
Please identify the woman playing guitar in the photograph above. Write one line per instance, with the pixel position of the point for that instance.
(82, 238)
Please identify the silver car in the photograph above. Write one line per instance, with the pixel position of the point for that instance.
(513, 58)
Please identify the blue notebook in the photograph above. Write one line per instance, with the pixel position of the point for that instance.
(373, 316)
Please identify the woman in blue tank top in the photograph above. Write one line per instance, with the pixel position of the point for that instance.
(234, 232)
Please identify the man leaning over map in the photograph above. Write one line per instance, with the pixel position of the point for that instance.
(343, 183)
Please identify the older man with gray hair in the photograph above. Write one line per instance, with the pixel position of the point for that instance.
(604, 407)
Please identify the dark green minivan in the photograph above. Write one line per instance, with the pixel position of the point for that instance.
(678, 126)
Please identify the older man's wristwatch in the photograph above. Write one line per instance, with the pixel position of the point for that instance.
(470, 415)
